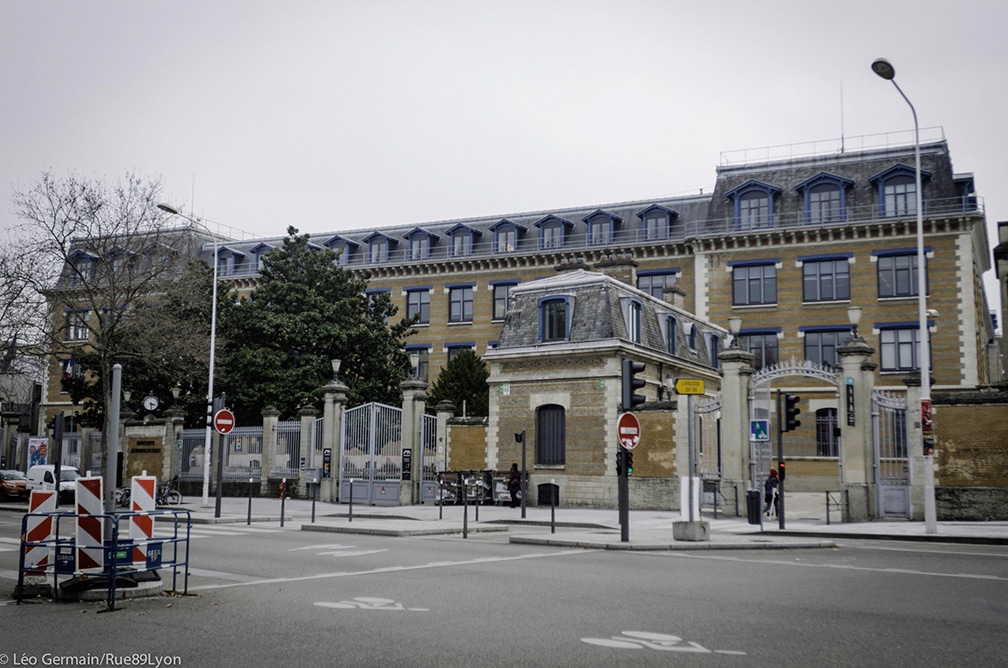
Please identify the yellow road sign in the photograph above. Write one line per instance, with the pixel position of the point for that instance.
(689, 386)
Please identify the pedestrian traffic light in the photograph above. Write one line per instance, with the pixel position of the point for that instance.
(620, 460)
(631, 384)
(780, 471)
(791, 411)
(628, 458)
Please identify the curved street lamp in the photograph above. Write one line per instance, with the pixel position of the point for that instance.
(167, 208)
(885, 69)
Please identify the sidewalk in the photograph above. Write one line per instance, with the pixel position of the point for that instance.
(805, 524)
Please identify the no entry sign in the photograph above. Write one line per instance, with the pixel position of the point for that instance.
(628, 430)
(224, 421)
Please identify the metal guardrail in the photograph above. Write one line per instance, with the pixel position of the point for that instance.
(632, 237)
(117, 563)
(842, 504)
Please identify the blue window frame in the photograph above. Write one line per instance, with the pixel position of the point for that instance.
(821, 343)
(345, 247)
(754, 205)
(825, 277)
(763, 344)
(601, 227)
(423, 360)
(899, 344)
(654, 281)
(897, 190)
(506, 235)
(378, 247)
(460, 302)
(501, 295)
(462, 238)
(897, 272)
(552, 232)
(453, 349)
(659, 222)
(418, 304)
(824, 198)
(754, 282)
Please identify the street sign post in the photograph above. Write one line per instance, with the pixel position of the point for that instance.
(759, 430)
(224, 421)
(628, 430)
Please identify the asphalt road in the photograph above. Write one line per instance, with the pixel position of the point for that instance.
(268, 596)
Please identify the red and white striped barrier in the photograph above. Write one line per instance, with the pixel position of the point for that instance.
(40, 529)
(142, 526)
(90, 550)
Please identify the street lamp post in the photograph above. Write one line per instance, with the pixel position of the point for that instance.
(884, 69)
(213, 347)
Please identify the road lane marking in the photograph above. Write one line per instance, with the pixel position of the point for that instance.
(391, 569)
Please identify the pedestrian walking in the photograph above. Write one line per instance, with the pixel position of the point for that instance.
(770, 493)
(514, 484)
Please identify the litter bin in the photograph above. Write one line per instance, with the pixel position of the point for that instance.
(549, 494)
(753, 506)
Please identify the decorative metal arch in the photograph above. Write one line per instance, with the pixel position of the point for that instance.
(796, 367)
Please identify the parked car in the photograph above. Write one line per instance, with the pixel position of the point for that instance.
(42, 476)
(13, 485)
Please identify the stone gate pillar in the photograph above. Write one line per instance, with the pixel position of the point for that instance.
(335, 393)
(857, 458)
(414, 395)
(736, 375)
(914, 439)
(446, 411)
(270, 417)
(308, 415)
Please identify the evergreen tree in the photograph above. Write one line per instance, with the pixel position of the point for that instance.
(306, 311)
(464, 383)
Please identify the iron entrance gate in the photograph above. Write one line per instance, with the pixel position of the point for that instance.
(892, 468)
(371, 455)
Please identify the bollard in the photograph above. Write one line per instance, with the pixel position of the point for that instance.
(465, 510)
(553, 505)
(315, 487)
(283, 495)
(248, 521)
(476, 502)
(350, 512)
(440, 513)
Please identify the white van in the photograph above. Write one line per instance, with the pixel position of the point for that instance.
(42, 476)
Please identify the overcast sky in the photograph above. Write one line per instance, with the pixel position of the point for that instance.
(336, 115)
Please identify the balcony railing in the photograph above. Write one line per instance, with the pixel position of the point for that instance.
(628, 237)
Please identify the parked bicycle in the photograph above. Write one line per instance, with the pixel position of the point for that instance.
(122, 497)
(167, 495)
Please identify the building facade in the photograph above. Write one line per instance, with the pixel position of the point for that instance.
(787, 243)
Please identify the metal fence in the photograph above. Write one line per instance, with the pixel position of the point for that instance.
(287, 463)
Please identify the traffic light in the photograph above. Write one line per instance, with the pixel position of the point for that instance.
(780, 471)
(619, 460)
(791, 411)
(631, 383)
(628, 458)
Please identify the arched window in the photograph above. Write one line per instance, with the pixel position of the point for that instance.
(551, 435)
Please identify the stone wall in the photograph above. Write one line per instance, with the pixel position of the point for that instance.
(971, 481)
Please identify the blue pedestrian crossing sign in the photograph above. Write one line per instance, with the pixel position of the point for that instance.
(759, 430)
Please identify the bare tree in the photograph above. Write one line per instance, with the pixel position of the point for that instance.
(94, 251)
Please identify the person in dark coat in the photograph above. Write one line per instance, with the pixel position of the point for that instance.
(770, 492)
(514, 484)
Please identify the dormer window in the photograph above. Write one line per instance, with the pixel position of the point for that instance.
(80, 268)
(552, 230)
(554, 318)
(754, 205)
(378, 245)
(632, 309)
(462, 240)
(419, 244)
(601, 226)
(825, 198)
(344, 247)
(227, 260)
(658, 222)
(506, 234)
(897, 190)
(259, 252)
